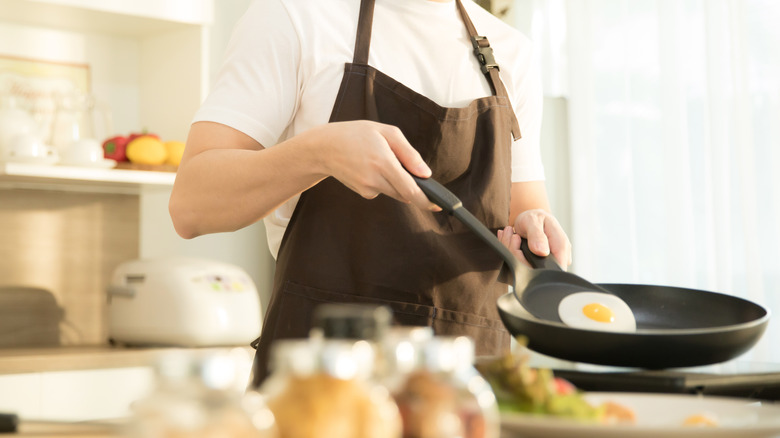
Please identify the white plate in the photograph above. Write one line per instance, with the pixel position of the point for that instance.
(104, 164)
(657, 416)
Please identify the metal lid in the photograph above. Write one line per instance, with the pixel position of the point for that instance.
(341, 358)
(351, 321)
(446, 354)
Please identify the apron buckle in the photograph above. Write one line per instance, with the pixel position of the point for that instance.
(484, 53)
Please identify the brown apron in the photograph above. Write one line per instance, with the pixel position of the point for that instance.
(427, 267)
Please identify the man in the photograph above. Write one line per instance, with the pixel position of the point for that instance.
(319, 114)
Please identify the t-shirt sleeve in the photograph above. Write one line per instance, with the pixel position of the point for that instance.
(527, 99)
(256, 88)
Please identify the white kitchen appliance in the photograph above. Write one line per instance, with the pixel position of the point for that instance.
(181, 301)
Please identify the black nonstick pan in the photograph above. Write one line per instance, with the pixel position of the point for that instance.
(676, 327)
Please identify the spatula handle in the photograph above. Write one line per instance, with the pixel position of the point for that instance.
(536, 261)
(438, 194)
(441, 196)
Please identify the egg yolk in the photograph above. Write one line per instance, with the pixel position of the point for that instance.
(599, 312)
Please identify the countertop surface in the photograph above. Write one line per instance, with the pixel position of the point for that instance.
(43, 429)
(69, 358)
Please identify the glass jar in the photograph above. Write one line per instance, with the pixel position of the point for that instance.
(438, 391)
(201, 396)
(324, 388)
(14, 122)
(400, 353)
(78, 117)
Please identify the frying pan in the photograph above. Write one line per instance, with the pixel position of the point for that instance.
(676, 327)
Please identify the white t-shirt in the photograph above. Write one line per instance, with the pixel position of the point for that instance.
(285, 62)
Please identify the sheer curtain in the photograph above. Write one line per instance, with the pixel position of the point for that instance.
(674, 141)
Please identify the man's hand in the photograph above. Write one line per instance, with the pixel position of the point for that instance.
(372, 158)
(544, 234)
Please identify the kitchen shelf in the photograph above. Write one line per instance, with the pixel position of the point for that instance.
(139, 18)
(38, 360)
(71, 178)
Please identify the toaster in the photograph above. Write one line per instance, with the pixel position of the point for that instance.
(183, 302)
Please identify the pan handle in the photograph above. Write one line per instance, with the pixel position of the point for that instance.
(441, 196)
(536, 261)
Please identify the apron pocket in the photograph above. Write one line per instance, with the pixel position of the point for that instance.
(299, 301)
(490, 336)
(297, 304)
(469, 319)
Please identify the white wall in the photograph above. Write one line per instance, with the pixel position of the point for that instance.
(555, 156)
(246, 248)
(226, 14)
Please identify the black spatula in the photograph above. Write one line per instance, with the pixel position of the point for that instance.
(539, 291)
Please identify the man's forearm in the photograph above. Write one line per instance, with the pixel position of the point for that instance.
(227, 189)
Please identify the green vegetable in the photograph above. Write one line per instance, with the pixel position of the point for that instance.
(521, 388)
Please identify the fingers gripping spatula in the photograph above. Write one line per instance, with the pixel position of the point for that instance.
(539, 291)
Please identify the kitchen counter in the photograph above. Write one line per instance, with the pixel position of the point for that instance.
(35, 360)
(76, 384)
(56, 429)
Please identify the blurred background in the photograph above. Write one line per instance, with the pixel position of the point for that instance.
(661, 136)
(662, 140)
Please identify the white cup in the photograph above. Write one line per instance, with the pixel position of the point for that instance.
(28, 147)
(83, 151)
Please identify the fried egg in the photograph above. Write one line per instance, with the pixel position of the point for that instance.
(596, 311)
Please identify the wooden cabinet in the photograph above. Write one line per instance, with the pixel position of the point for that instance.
(67, 228)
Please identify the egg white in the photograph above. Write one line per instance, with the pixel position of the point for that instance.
(570, 311)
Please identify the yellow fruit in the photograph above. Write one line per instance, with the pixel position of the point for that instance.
(146, 150)
(175, 150)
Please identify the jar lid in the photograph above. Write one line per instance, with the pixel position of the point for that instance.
(402, 347)
(346, 359)
(214, 370)
(448, 353)
(411, 333)
(341, 358)
(296, 356)
(351, 321)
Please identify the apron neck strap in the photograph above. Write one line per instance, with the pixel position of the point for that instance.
(363, 38)
(482, 50)
(484, 54)
(466, 19)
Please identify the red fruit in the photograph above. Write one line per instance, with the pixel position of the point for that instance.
(114, 148)
(563, 387)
